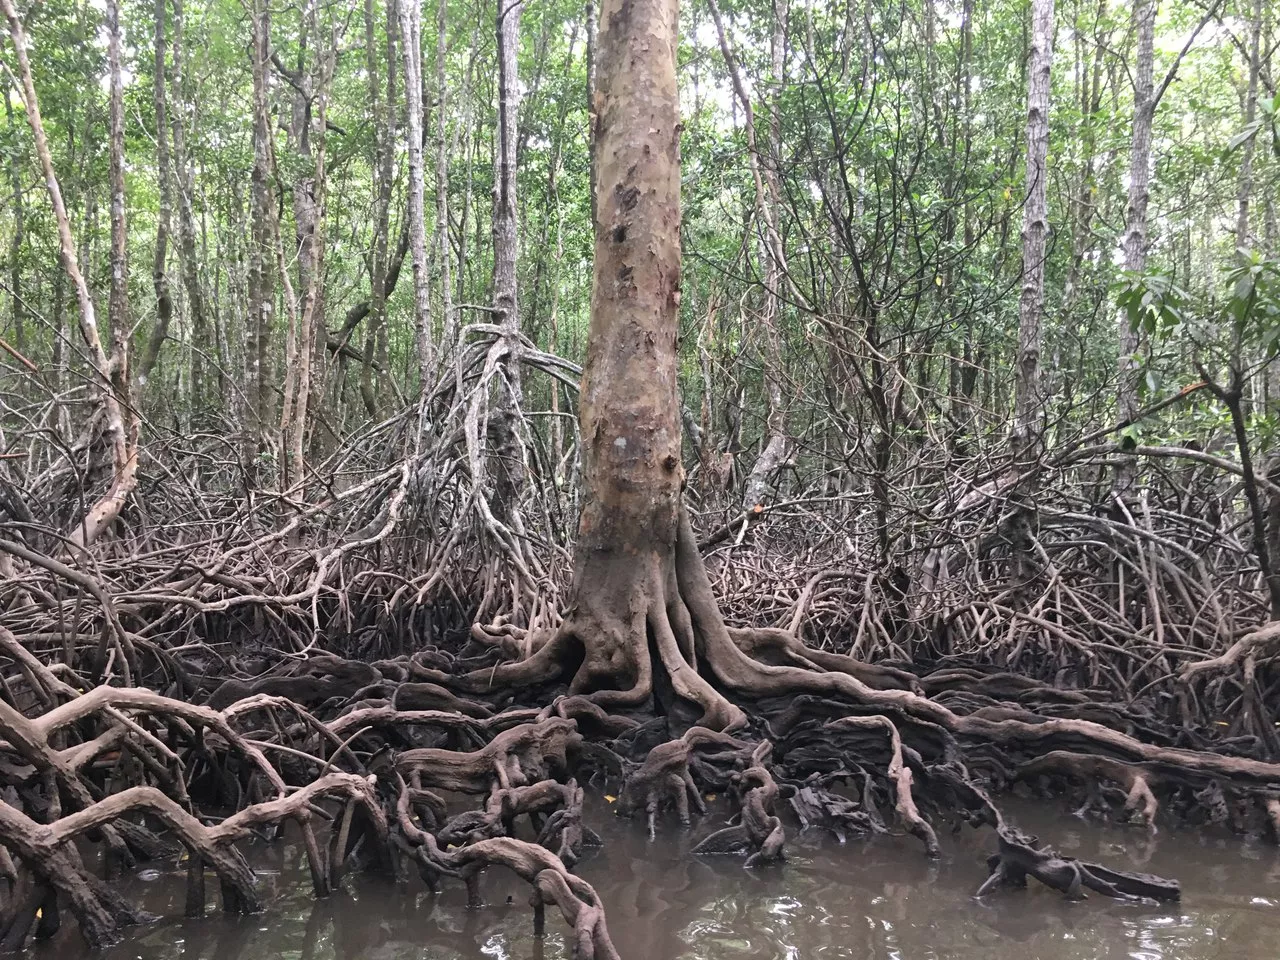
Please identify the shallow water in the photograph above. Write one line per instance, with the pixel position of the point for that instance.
(874, 900)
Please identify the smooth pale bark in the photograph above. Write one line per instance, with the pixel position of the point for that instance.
(768, 201)
(311, 321)
(1244, 186)
(16, 241)
(1029, 400)
(411, 53)
(442, 252)
(382, 165)
(118, 299)
(1089, 69)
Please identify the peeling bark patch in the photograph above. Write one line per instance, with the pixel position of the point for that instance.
(620, 233)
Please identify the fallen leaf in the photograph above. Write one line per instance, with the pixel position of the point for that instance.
(610, 799)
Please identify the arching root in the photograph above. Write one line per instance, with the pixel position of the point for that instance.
(46, 849)
(664, 777)
(555, 808)
(552, 883)
(899, 776)
(516, 757)
(759, 831)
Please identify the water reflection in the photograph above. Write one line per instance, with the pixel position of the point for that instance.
(869, 901)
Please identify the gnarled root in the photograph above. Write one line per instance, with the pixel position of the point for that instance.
(555, 807)
(550, 877)
(1017, 857)
(514, 758)
(664, 777)
(759, 830)
(900, 776)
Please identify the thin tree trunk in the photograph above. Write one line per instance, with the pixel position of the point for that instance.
(768, 202)
(16, 241)
(261, 296)
(309, 135)
(444, 280)
(411, 53)
(1134, 243)
(159, 277)
(110, 372)
(1029, 401)
(508, 469)
(1244, 186)
(201, 394)
(383, 173)
(118, 319)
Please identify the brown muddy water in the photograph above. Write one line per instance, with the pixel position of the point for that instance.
(874, 900)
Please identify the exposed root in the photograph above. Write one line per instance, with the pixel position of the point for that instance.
(552, 883)
(514, 758)
(665, 779)
(555, 808)
(900, 776)
(758, 831)
(1017, 856)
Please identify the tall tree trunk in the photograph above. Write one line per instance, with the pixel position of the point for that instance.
(765, 173)
(591, 102)
(624, 576)
(1029, 400)
(1134, 243)
(309, 203)
(411, 53)
(443, 252)
(201, 394)
(382, 165)
(1089, 66)
(505, 449)
(261, 294)
(159, 277)
(17, 311)
(1244, 185)
(632, 628)
(110, 371)
(118, 319)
